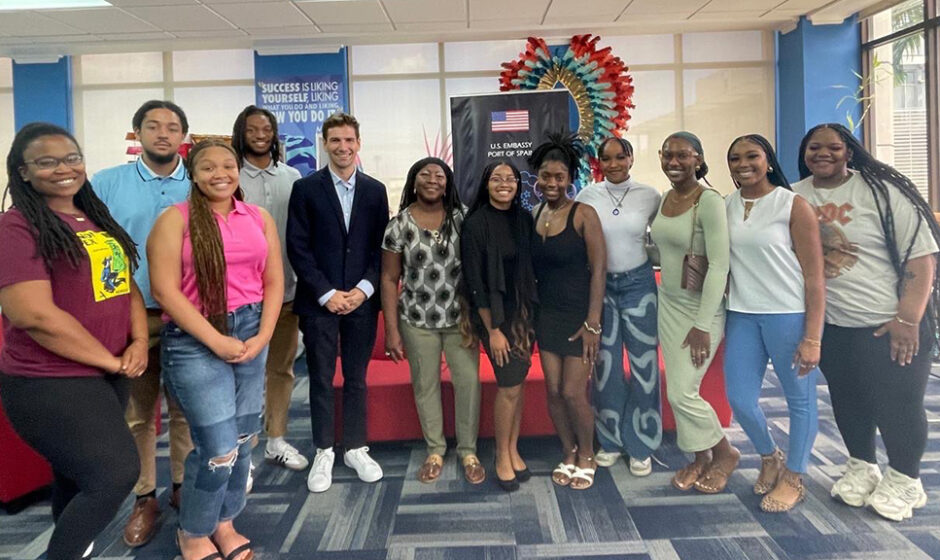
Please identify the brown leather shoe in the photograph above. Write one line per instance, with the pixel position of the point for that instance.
(142, 524)
(472, 470)
(175, 499)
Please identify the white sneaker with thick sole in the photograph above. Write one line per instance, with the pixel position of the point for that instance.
(280, 452)
(641, 467)
(320, 477)
(606, 458)
(897, 496)
(365, 466)
(858, 482)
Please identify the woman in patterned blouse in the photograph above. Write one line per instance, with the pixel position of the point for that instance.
(421, 249)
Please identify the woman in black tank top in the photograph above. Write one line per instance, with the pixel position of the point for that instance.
(570, 262)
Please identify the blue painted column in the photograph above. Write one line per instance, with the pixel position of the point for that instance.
(816, 67)
(43, 92)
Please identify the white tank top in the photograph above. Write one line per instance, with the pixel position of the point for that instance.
(766, 276)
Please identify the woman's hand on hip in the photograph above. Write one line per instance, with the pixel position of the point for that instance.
(699, 343)
(904, 339)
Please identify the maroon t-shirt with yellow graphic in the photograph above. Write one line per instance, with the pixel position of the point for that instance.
(96, 293)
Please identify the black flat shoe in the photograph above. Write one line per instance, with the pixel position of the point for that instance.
(524, 475)
(510, 485)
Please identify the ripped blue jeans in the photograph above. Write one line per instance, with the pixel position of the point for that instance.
(222, 403)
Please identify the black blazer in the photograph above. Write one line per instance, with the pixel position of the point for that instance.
(323, 254)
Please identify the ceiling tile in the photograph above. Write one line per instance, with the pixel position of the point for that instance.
(567, 11)
(355, 28)
(139, 3)
(261, 14)
(524, 12)
(344, 13)
(220, 34)
(24, 24)
(742, 5)
(181, 18)
(674, 9)
(752, 15)
(151, 36)
(283, 32)
(421, 11)
(101, 20)
(435, 27)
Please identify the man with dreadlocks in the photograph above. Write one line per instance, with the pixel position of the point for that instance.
(879, 242)
(267, 182)
(136, 193)
(71, 343)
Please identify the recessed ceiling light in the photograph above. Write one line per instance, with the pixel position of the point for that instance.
(50, 4)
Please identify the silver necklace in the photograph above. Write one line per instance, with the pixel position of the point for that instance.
(618, 203)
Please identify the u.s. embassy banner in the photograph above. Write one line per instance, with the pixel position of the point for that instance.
(301, 104)
(508, 125)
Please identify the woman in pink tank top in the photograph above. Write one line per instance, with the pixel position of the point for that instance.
(215, 269)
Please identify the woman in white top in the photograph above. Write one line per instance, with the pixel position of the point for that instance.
(879, 239)
(775, 310)
(627, 415)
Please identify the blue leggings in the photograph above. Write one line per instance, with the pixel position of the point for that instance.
(751, 339)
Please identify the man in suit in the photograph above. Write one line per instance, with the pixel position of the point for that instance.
(336, 221)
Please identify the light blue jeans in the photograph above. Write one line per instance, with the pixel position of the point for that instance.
(222, 403)
(750, 339)
(626, 411)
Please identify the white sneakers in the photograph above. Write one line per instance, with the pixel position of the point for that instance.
(638, 467)
(858, 482)
(641, 467)
(359, 460)
(278, 451)
(321, 473)
(606, 458)
(897, 496)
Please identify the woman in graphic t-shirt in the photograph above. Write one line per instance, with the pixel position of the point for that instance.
(879, 243)
(75, 330)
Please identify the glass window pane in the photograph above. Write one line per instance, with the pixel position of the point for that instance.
(7, 131)
(106, 120)
(213, 65)
(6, 73)
(393, 138)
(642, 49)
(899, 108)
(650, 122)
(902, 16)
(121, 68)
(467, 86)
(480, 55)
(726, 46)
(395, 59)
(212, 110)
(722, 104)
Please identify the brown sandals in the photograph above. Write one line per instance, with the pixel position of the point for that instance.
(793, 480)
(715, 477)
(771, 468)
(431, 469)
(685, 478)
(473, 471)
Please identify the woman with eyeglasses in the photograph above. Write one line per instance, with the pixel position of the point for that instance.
(495, 248)
(74, 329)
(691, 226)
(421, 249)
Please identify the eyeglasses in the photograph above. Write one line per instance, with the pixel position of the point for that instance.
(496, 180)
(46, 163)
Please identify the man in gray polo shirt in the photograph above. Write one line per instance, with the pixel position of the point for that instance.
(267, 182)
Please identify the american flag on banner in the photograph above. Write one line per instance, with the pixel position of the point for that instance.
(510, 121)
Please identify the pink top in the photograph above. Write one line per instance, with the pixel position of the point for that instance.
(246, 251)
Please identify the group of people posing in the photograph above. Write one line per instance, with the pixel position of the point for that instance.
(836, 273)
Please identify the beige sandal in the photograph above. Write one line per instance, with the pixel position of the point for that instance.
(772, 505)
(771, 469)
(686, 477)
(716, 477)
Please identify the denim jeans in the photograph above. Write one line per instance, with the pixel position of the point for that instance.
(222, 403)
(626, 412)
(750, 340)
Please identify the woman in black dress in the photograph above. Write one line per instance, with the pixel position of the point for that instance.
(497, 269)
(570, 263)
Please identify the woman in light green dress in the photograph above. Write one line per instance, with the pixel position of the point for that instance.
(692, 318)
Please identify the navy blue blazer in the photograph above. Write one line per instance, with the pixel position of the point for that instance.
(323, 254)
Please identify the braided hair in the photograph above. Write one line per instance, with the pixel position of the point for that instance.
(562, 147)
(206, 239)
(409, 194)
(880, 178)
(241, 126)
(775, 170)
(54, 238)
